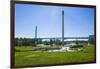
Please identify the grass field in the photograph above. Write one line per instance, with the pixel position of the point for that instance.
(38, 58)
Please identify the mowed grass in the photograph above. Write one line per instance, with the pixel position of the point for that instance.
(27, 48)
(38, 58)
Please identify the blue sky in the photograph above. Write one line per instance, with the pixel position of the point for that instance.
(79, 22)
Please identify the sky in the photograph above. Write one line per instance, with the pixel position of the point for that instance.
(78, 21)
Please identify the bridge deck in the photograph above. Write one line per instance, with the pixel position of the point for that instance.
(65, 38)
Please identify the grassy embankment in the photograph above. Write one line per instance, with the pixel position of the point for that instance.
(38, 58)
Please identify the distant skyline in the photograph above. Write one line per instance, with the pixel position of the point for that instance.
(79, 22)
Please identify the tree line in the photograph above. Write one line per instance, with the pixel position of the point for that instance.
(34, 42)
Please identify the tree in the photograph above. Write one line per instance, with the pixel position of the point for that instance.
(77, 42)
(91, 39)
(51, 42)
(16, 41)
(57, 42)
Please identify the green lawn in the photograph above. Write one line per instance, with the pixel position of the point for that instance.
(38, 58)
(27, 48)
